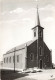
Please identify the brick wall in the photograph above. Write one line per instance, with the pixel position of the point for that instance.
(32, 49)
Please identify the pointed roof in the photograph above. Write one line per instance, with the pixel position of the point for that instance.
(37, 20)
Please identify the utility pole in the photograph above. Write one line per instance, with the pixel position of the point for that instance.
(14, 58)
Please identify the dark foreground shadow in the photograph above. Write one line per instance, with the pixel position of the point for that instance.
(11, 75)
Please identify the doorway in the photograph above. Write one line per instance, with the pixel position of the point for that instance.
(40, 64)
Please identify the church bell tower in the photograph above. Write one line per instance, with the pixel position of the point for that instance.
(38, 35)
(37, 30)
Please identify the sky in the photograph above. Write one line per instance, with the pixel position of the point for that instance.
(17, 17)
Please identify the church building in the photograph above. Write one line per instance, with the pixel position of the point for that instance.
(34, 53)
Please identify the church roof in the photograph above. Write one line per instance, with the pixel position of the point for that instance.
(37, 26)
(20, 47)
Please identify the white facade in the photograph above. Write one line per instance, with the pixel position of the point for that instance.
(20, 62)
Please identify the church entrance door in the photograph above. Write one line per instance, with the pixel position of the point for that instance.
(40, 64)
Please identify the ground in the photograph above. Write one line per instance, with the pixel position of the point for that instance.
(44, 75)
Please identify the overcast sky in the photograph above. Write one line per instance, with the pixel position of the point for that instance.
(17, 17)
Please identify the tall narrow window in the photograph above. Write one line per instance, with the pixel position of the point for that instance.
(34, 34)
(40, 33)
(10, 59)
(40, 50)
(17, 58)
(4, 60)
(7, 59)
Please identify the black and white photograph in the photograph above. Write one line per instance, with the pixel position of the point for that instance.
(27, 39)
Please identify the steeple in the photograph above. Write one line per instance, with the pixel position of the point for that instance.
(38, 20)
(37, 30)
(37, 24)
